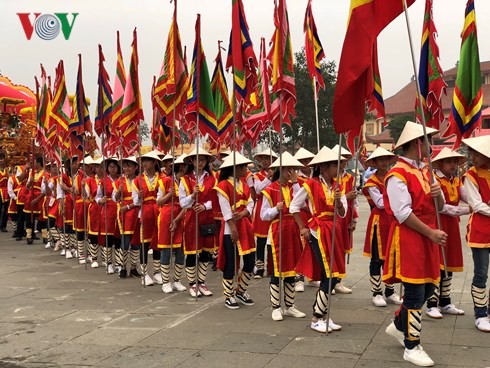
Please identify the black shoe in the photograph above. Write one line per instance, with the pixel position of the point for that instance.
(134, 273)
(4, 230)
(259, 274)
(45, 240)
(30, 240)
(244, 298)
(231, 303)
(123, 274)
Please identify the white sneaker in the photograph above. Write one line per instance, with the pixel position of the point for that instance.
(396, 333)
(158, 278)
(195, 292)
(332, 292)
(94, 264)
(342, 289)
(379, 301)
(394, 299)
(434, 312)
(48, 245)
(117, 269)
(320, 326)
(483, 324)
(451, 309)
(150, 252)
(74, 252)
(177, 285)
(110, 269)
(57, 246)
(418, 356)
(147, 280)
(312, 283)
(203, 289)
(167, 288)
(81, 261)
(277, 314)
(299, 286)
(68, 254)
(294, 312)
(333, 326)
(63, 252)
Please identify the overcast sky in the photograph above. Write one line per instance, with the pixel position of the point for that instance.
(99, 20)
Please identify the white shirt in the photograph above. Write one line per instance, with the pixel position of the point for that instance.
(451, 210)
(474, 199)
(227, 211)
(186, 201)
(267, 213)
(100, 190)
(10, 189)
(376, 197)
(261, 185)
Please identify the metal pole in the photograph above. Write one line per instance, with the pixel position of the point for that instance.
(104, 192)
(196, 170)
(316, 115)
(424, 126)
(172, 203)
(85, 250)
(142, 227)
(281, 198)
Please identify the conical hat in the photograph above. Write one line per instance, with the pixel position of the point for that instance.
(287, 161)
(448, 153)
(131, 159)
(88, 160)
(98, 161)
(344, 152)
(167, 157)
(303, 154)
(413, 131)
(112, 158)
(479, 144)
(380, 152)
(239, 160)
(160, 154)
(153, 155)
(181, 159)
(325, 155)
(202, 152)
(267, 152)
(225, 153)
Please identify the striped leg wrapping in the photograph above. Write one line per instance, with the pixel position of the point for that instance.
(28, 233)
(480, 296)
(178, 268)
(65, 238)
(73, 241)
(191, 274)
(320, 306)
(414, 324)
(13, 224)
(434, 298)
(81, 249)
(165, 271)
(107, 255)
(375, 284)
(202, 272)
(124, 256)
(274, 295)
(119, 257)
(446, 287)
(44, 233)
(143, 270)
(244, 281)
(227, 287)
(259, 264)
(54, 234)
(288, 294)
(135, 256)
(93, 250)
(156, 266)
(389, 286)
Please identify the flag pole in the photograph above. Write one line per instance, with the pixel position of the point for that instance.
(356, 170)
(233, 108)
(142, 227)
(332, 247)
(315, 94)
(424, 126)
(172, 173)
(104, 192)
(196, 170)
(82, 193)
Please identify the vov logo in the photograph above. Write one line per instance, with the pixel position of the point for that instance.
(47, 26)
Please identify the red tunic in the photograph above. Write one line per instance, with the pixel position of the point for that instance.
(478, 225)
(204, 218)
(149, 208)
(22, 193)
(51, 201)
(80, 207)
(4, 177)
(128, 221)
(410, 256)
(94, 209)
(108, 214)
(165, 239)
(321, 221)
(33, 192)
(348, 185)
(261, 227)
(291, 238)
(450, 225)
(378, 218)
(68, 200)
(16, 188)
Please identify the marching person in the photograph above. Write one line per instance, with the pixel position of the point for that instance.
(4, 196)
(236, 237)
(323, 196)
(285, 252)
(13, 188)
(477, 188)
(65, 197)
(445, 164)
(378, 225)
(412, 256)
(92, 184)
(196, 195)
(53, 209)
(34, 199)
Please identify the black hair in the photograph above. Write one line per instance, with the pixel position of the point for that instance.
(117, 164)
(190, 166)
(316, 171)
(39, 160)
(276, 175)
(225, 173)
(137, 172)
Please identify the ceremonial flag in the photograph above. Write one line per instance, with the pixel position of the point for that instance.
(43, 106)
(114, 140)
(171, 88)
(354, 140)
(282, 65)
(132, 111)
(355, 77)
(375, 101)
(200, 103)
(467, 98)
(313, 49)
(61, 109)
(241, 56)
(222, 107)
(431, 82)
(80, 122)
(104, 99)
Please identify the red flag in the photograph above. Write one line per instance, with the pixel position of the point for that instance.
(104, 99)
(61, 109)
(80, 122)
(375, 101)
(313, 49)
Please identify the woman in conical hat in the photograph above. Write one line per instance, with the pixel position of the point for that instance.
(284, 256)
(94, 210)
(378, 225)
(477, 188)
(445, 164)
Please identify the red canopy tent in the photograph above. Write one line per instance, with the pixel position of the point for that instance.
(10, 91)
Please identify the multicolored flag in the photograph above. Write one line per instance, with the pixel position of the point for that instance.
(170, 91)
(467, 98)
(222, 106)
(114, 140)
(282, 65)
(200, 103)
(241, 56)
(132, 111)
(80, 121)
(375, 102)
(61, 109)
(313, 49)
(43, 106)
(431, 81)
(104, 99)
(355, 76)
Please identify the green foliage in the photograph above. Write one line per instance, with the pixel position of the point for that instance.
(144, 131)
(397, 124)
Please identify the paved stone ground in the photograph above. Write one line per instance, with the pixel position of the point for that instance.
(55, 313)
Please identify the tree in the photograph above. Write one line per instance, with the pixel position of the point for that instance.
(144, 131)
(397, 124)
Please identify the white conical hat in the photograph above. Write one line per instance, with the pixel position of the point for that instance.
(225, 153)
(111, 158)
(413, 131)
(479, 144)
(88, 160)
(448, 153)
(167, 157)
(98, 161)
(152, 154)
(303, 154)
(325, 155)
(287, 161)
(267, 152)
(344, 152)
(131, 159)
(202, 152)
(239, 160)
(181, 159)
(380, 152)
(160, 154)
